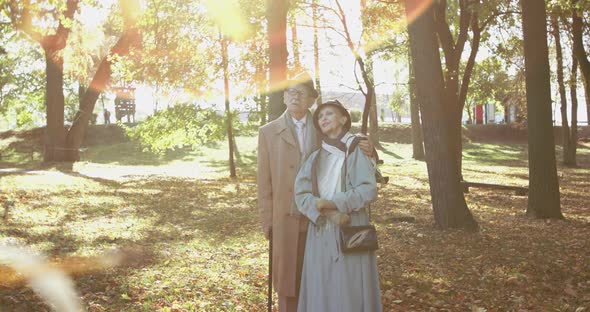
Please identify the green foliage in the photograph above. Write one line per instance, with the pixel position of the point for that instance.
(21, 80)
(177, 127)
(491, 83)
(24, 118)
(400, 99)
(355, 115)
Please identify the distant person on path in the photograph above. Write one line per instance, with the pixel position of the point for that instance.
(283, 145)
(107, 117)
(331, 190)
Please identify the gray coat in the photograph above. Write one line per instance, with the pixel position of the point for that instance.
(332, 281)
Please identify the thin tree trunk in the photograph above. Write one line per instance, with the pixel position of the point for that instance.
(417, 139)
(574, 96)
(565, 130)
(373, 120)
(448, 202)
(368, 96)
(276, 15)
(295, 43)
(476, 30)
(228, 114)
(316, 52)
(543, 184)
(262, 97)
(581, 55)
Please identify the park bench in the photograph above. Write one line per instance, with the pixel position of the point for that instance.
(518, 190)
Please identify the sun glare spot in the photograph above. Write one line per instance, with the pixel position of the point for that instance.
(226, 14)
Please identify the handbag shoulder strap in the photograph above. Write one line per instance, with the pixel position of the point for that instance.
(353, 145)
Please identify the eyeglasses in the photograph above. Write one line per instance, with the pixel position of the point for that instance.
(295, 93)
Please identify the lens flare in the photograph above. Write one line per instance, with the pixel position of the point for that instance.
(229, 18)
(415, 8)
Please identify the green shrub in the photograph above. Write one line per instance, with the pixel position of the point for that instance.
(355, 115)
(177, 127)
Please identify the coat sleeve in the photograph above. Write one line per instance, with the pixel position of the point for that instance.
(361, 175)
(304, 198)
(264, 181)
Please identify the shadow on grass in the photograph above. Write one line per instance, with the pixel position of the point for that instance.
(131, 154)
(385, 151)
(513, 155)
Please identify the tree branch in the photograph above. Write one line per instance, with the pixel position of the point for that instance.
(443, 30)
(471, 61)
(464, 21)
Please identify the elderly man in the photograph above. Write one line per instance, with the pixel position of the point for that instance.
(283, 146)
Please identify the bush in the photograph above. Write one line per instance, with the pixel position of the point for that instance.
(355, 115)
(179, 126)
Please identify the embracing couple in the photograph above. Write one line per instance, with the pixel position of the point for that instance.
(311, 181)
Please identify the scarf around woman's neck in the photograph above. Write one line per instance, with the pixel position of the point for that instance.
(339, 145)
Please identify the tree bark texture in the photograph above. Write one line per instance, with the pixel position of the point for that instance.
(417, 139)
(543, 184)
(448, 202)
(276, 15)
(55, 133)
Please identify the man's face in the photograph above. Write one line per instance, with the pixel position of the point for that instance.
(298, 99)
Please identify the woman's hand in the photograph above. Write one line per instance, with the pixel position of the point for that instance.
(324, 205)
(338, 218)
(367, 147)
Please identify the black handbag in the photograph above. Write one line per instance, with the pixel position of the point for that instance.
(358, 238)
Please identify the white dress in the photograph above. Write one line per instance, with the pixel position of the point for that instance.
(331, 280)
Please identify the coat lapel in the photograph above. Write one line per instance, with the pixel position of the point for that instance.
(284, 132)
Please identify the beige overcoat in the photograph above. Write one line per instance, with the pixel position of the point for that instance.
(279, 160)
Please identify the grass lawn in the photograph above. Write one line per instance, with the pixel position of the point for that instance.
(199, 246)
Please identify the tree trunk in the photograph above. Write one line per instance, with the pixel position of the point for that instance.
(574, 129)
(276, 15)
(55, 133)
(543, 184)
(99, 82)
(295, 43)
(448, 202)
(373, 121)
(581, 55)
(316, 52)
(261, 90)
(453, 50)
(228, 114)
(417, 139)
(565, 130)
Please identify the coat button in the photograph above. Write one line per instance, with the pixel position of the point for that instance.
(292, 166)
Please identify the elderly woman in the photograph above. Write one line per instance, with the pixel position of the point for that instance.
(332, 280)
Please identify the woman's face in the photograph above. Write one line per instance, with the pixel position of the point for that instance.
(331, 121)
